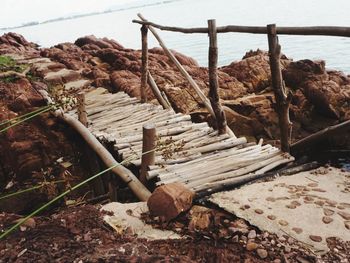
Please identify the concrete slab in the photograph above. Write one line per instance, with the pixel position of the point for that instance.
(126, 219)
(309, 206)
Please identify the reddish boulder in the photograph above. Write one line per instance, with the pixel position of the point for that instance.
(169, 200)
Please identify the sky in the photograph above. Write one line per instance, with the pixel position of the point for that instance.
(17, 12)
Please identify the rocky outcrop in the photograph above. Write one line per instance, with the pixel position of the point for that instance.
(15, 43)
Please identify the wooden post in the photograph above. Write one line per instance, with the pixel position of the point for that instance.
(92, 161)
(148, 146)
(182, 70)
(82, 114)
(157, 92)
(213, 79)
(144, 66)
(282, 95)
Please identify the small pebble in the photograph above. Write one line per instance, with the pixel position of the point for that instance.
(313, 184)
(315, 238)
(251, 246)
(259, 211)
(297, 230)
(320, 203)
(328, 212)
(287, 249)
(262, 253)
(344, 215)
(340, 207)
(283, 222)
(347, 224)
(271, 217)
(331, 203)
(252, 234)
(271, 199)
(327, 219)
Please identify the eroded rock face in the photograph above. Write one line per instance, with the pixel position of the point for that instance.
(15, 43)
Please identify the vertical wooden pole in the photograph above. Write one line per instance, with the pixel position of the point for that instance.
(148, 146)
(92, 161)
(144, 64)
(282, 95)
(82, 114)
(213, 79)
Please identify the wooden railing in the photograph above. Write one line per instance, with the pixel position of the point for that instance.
(282, 94)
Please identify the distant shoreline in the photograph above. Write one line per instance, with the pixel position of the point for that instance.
(35, 23)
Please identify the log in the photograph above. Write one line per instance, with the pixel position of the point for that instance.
(157, 92)
(282, 95)
(311, 30)
(319, 136)
(148, 149)
(193, 84)
(144, 63)
(126, 175)
(230, 184)
(221, 123)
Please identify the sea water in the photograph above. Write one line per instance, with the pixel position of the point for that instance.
(195, 13)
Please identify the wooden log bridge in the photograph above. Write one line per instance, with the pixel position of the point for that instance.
(191, 153)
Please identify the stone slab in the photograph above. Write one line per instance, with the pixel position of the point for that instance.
(309, 206)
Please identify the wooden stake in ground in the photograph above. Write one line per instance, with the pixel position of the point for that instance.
(213, 79)
(93, 164)
(144, 67)
(148, 146)
(282, 95)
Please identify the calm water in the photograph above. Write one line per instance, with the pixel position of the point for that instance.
(195, 13)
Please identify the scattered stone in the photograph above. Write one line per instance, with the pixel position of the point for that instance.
(313, 184)
(259, 211)
(200, 218)
(283, 222)
(328, 212)
(271, 217)
(290, 206)
(262, 253)
(315, 238)
(327, 219)
(344, 215)
(319, 202)
(252, 234)
(170, 200)
(251, 246)
(270, 199)
(297, 230)
(240, 226)
(235, 239)
(331, 203)
(295, 203)
(319, 190)
(340, 207)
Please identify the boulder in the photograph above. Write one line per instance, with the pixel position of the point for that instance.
(169, 200)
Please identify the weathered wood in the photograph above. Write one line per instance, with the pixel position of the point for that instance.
(157, 92)
(148, 148)
(232, 183)
(319, 136)
(82, 115)
(182, 70)
(221, 123)
(128, 177)
(311, 30)
(282, 95)
(144, 64)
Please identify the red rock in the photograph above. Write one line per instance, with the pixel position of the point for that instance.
(170, 200)
(200, 218)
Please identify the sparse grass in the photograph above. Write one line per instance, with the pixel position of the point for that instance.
(7, 63)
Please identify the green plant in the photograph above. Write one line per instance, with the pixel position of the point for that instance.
(7, 64)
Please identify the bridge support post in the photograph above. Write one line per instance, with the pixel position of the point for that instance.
(148, 147)
(144, 66)
(282, 95)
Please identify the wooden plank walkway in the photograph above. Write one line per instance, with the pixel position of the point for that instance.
(188, 152)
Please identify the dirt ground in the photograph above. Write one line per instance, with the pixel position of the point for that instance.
(79, 234)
